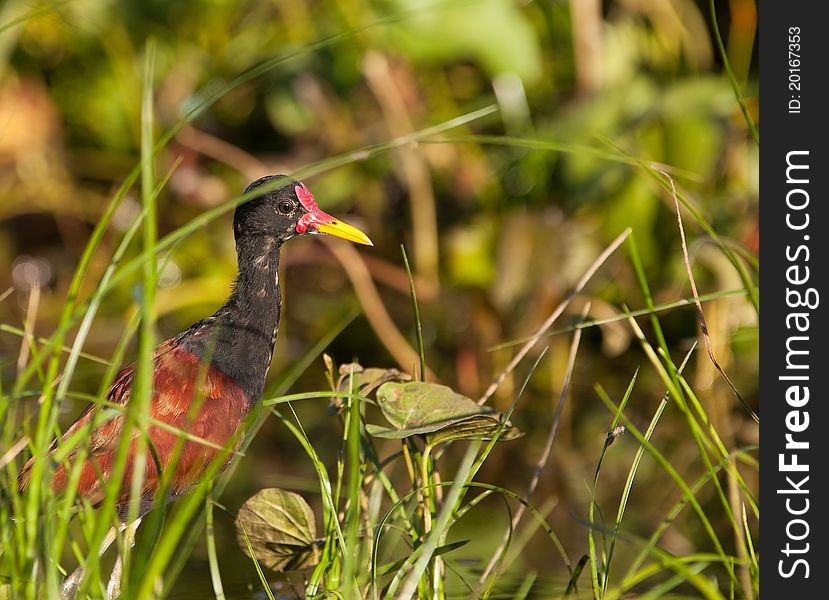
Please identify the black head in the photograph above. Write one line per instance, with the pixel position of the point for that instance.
(285, 209)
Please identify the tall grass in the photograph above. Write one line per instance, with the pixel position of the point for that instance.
(356, 563)
(390, 509)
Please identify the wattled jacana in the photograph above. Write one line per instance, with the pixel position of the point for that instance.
(226, 356)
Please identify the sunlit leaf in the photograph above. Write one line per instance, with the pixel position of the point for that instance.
(281, 529)
(418, 408)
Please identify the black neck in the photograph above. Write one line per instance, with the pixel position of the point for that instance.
(244, 329)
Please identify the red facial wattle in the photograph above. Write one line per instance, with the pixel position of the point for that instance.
(313, 216)
(322, 222)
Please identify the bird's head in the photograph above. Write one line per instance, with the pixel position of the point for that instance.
(287, 211)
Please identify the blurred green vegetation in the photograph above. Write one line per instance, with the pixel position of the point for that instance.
(498, 232)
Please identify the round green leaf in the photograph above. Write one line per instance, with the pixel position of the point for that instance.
(436, 411)
(281, 529)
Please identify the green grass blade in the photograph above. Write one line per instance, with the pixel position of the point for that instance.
(355, 468)
(599, 583)
(642, 312)
(674, 474)
(418, 326)
(632, 472)
(426, 550)
(731, 77)
(259, 572)
(212, 558)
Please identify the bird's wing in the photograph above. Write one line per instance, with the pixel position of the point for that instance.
(219, 408)
(119, 392)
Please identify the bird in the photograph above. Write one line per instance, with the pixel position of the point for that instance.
(207, 378)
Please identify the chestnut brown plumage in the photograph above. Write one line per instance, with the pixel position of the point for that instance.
(226, 356)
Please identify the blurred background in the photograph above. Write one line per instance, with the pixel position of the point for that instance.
(497, 232)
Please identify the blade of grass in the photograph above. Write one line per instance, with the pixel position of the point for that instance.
(588, 275)
(329, 506)
(646, 293)
(541, 463)
(574, 578)
(206, 217)
(642, 312)
(731, 77)
(536, 514)
(212, 558)
(418, 326)
(633, 469)
(315, 396)
(703, 442)
(678, 384)
(661, 589)
(19, 332)
(34, 13)
(526, 586)
(550, 146)
(724, 247)
(259, 572)
(753, 567)
(69, 444)
(28, 325)
(700, 313)
(355, 461)
(133, 450)
(138, 411)
(633, 574)
(409, 585)
(672, 472)
(591, 542)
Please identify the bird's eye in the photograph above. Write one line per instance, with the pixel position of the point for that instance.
(286, 207)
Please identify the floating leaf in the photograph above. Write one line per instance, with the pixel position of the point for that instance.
(438, 412)
(281, 529)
